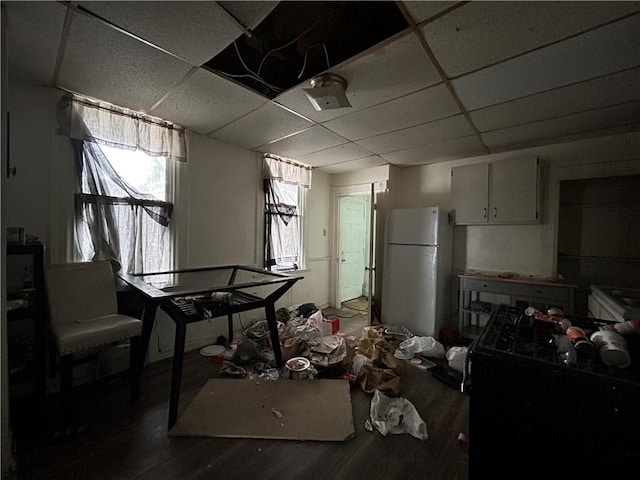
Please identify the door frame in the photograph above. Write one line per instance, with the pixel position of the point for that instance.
(362, 205)
(334, 271)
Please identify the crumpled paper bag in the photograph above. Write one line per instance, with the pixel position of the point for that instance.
(373, 378)
(294, 347)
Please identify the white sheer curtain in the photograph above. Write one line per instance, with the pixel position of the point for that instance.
(106, 124)
(286, 170)
(113, 220)
(283, 181)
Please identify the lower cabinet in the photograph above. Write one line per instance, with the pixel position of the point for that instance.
(480, 295)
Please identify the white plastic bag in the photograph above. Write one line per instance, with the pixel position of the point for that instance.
(357, 362)
(457, 357)
(427, 346)
(316, 320)
(396, 415)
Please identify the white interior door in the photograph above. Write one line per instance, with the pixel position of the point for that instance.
(353, 243)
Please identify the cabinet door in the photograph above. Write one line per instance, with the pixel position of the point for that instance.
(470, 193)
(514, 191)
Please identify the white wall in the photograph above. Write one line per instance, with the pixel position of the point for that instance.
(523, 249)
(315, 286)
(360, 177)
(33, 127)
(223, 184)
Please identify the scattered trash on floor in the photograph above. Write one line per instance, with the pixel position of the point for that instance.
(396, 415)
(427, 346)
(313, 347)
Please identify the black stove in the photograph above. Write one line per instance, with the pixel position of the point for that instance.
(536, 412)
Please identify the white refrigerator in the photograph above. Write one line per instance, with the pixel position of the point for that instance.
(417, 270)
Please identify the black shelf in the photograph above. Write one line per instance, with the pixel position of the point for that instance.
(26, 324)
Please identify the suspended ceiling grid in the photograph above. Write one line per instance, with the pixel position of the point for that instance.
(462, 79)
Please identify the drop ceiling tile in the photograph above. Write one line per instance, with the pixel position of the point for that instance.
(268, 123)
(421, 10)
(34, 46)
(606, 50)
(438, 131)
(182, 28)
(390, 71)
(420, 107)
(483, 33)
(437, 152)
(361, 163)
(311, 140)
(571, 124)
(601, 92)
(251, 13)
(206, 102)
(342, 153)
(108, 65)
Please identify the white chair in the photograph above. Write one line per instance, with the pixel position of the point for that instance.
(83, 316)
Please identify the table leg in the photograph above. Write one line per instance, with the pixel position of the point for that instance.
(230, 325)
(270, 311)
(148, 318)
(176, 374)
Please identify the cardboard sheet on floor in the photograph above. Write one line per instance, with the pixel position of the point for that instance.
(279, 409)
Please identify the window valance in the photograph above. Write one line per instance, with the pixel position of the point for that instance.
(106, 124)
(286, 170)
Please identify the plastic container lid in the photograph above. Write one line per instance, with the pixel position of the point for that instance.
(614, 355)
(212, 350)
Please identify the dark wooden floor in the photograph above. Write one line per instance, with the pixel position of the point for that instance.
(129, 441)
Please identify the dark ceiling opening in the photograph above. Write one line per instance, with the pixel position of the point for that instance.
(299, 40)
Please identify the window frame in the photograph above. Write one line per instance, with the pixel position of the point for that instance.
(302, 240)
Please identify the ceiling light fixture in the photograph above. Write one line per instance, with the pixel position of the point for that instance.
(327, 92)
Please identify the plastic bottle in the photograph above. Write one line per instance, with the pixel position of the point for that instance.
(222, 297)
(580, 342)
(556, 319)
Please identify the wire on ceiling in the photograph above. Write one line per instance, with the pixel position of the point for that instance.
(254, 75)
(307, 30)
(304, 64)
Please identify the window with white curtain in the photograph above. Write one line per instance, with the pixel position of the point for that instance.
(124, 184)
(137, 241)
(285, 186)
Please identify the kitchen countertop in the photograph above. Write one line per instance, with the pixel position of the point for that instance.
(516, 278)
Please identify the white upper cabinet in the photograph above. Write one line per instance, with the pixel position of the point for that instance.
(470, 193)
(502, 192)
(513, 191)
